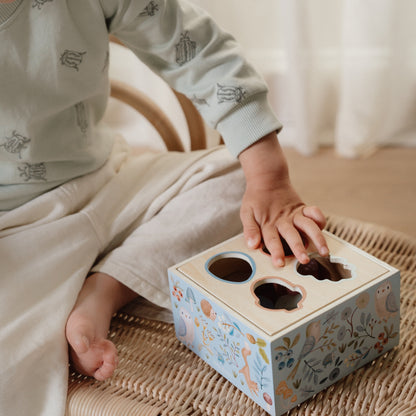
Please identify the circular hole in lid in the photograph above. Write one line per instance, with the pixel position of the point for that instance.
(233, 267)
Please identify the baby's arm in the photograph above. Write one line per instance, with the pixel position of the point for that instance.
(182, 44)
(271, 207)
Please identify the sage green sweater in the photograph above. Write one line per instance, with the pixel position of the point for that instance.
(54, 83)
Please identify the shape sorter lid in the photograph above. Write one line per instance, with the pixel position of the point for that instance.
(274, 299)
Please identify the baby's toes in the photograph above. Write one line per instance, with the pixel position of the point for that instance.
(108, 361)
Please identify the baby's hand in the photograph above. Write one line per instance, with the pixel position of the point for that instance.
(268, 214)
(271, 208)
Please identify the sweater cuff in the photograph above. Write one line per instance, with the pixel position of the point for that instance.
(248, 123)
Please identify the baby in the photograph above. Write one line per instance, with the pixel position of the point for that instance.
(59, 164)
(270, 207)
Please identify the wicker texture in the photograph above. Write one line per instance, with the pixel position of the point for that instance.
(157, 375)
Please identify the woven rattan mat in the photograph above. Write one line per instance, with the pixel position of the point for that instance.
(157, 375)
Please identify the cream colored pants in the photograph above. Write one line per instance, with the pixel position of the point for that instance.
(133, 218)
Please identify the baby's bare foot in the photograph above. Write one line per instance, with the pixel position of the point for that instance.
(87, 327)
(91, 354)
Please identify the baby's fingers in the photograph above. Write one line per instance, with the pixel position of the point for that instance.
(316, 215)
(294, 240)
(251, 229)
(312, 229)
(274, 245)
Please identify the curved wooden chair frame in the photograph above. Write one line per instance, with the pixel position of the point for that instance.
(159, 120)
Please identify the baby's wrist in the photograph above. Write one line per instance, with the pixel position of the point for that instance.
(265, 162)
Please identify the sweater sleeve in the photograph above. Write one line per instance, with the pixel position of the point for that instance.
(183, 45)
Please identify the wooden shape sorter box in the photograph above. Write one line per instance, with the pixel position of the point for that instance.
(282, 334)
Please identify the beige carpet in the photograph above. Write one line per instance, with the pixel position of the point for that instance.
(159, 376)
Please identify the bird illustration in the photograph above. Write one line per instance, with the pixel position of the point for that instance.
(313, 334)
(385, 301)
(186, 330)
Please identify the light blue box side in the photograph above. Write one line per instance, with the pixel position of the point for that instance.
(232, 348)
(331, 345)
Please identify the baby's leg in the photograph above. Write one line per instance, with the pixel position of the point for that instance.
(87, 327)
(198, 210)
